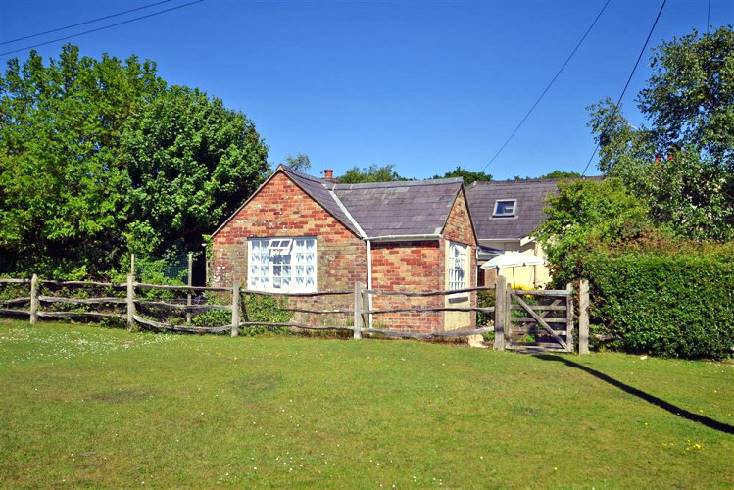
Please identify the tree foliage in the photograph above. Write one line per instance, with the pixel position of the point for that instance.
(584, 215)
(561, 174)
(99, 158)
(682, 165)
(373, 173)
(469, 176)
(301, 162)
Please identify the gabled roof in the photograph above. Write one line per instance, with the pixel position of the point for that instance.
(380, 209)
(400, 208)
(530, 197)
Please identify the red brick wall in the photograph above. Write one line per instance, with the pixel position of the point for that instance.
(407, 266)
(282, 209)
(459, 229)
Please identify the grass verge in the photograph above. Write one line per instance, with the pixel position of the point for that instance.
(85, 405)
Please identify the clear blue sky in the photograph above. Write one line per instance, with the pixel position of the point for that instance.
(424, 85)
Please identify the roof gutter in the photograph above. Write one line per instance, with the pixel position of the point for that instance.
(403, 238)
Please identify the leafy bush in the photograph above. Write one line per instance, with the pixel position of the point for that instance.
(267, 309)
(485, 299)
(672, 303)
(212, 318)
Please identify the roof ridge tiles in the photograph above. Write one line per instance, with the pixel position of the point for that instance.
(398, 183)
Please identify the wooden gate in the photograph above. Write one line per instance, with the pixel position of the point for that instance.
(537, 320)
(541, 320)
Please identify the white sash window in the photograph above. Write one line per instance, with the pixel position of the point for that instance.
(457, 264)
(286, 265)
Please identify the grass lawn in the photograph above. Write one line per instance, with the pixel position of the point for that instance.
(89, 406)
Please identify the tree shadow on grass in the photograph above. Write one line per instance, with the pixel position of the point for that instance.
(658, 402)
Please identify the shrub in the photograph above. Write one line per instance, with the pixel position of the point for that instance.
(267, 309)
(485, 299)
(672, 303)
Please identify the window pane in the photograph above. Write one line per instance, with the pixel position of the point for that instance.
(457, 266)
(505, 208)
(283, 264)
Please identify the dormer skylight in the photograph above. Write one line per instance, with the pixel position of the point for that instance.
(504, 208)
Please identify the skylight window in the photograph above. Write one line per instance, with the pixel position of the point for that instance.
(504, 208)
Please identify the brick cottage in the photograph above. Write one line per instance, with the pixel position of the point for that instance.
(298, 233)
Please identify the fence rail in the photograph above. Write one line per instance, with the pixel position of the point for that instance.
(362, 311)
(10, 280)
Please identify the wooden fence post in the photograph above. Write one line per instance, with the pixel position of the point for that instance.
(33, 309)
(358, 309)
(235, 308)
(130, 301)
(500, 315)
(366, 306)
(583, 316)
(569, 317)
(188, 283)
(508, 311)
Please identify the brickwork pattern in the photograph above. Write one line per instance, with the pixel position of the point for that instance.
(407, 266)
(282, 209)
(459, 229)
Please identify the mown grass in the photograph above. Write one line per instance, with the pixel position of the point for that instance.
(89, 406)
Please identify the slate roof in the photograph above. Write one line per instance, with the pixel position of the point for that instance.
(384, 208)
(529, 195)
(400, 208)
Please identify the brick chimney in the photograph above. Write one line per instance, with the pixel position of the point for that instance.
(329, 175)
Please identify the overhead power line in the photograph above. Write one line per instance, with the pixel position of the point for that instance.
(550, 84)
(108, 26)
(615, 109)
(92, 21)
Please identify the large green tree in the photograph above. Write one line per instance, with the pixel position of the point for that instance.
(682, 163)
(100, 157)
(587, 214)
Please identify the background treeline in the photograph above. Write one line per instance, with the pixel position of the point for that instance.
(655, 237)
(103, 158)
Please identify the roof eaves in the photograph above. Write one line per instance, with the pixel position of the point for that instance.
(404, 238)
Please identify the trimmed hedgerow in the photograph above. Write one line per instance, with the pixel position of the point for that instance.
(675, 304)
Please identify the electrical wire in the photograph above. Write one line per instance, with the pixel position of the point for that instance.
(108, 26)
(629, 79)
(548, 86)
(92, 21)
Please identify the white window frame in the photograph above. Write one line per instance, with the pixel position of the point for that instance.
(495, 214)
(286, 246)
(453, 260)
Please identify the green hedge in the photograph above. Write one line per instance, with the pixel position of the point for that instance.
(676, 304)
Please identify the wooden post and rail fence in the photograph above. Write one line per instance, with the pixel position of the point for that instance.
(513, 310)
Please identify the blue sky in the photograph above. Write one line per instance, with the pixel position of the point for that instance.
(425, 86)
